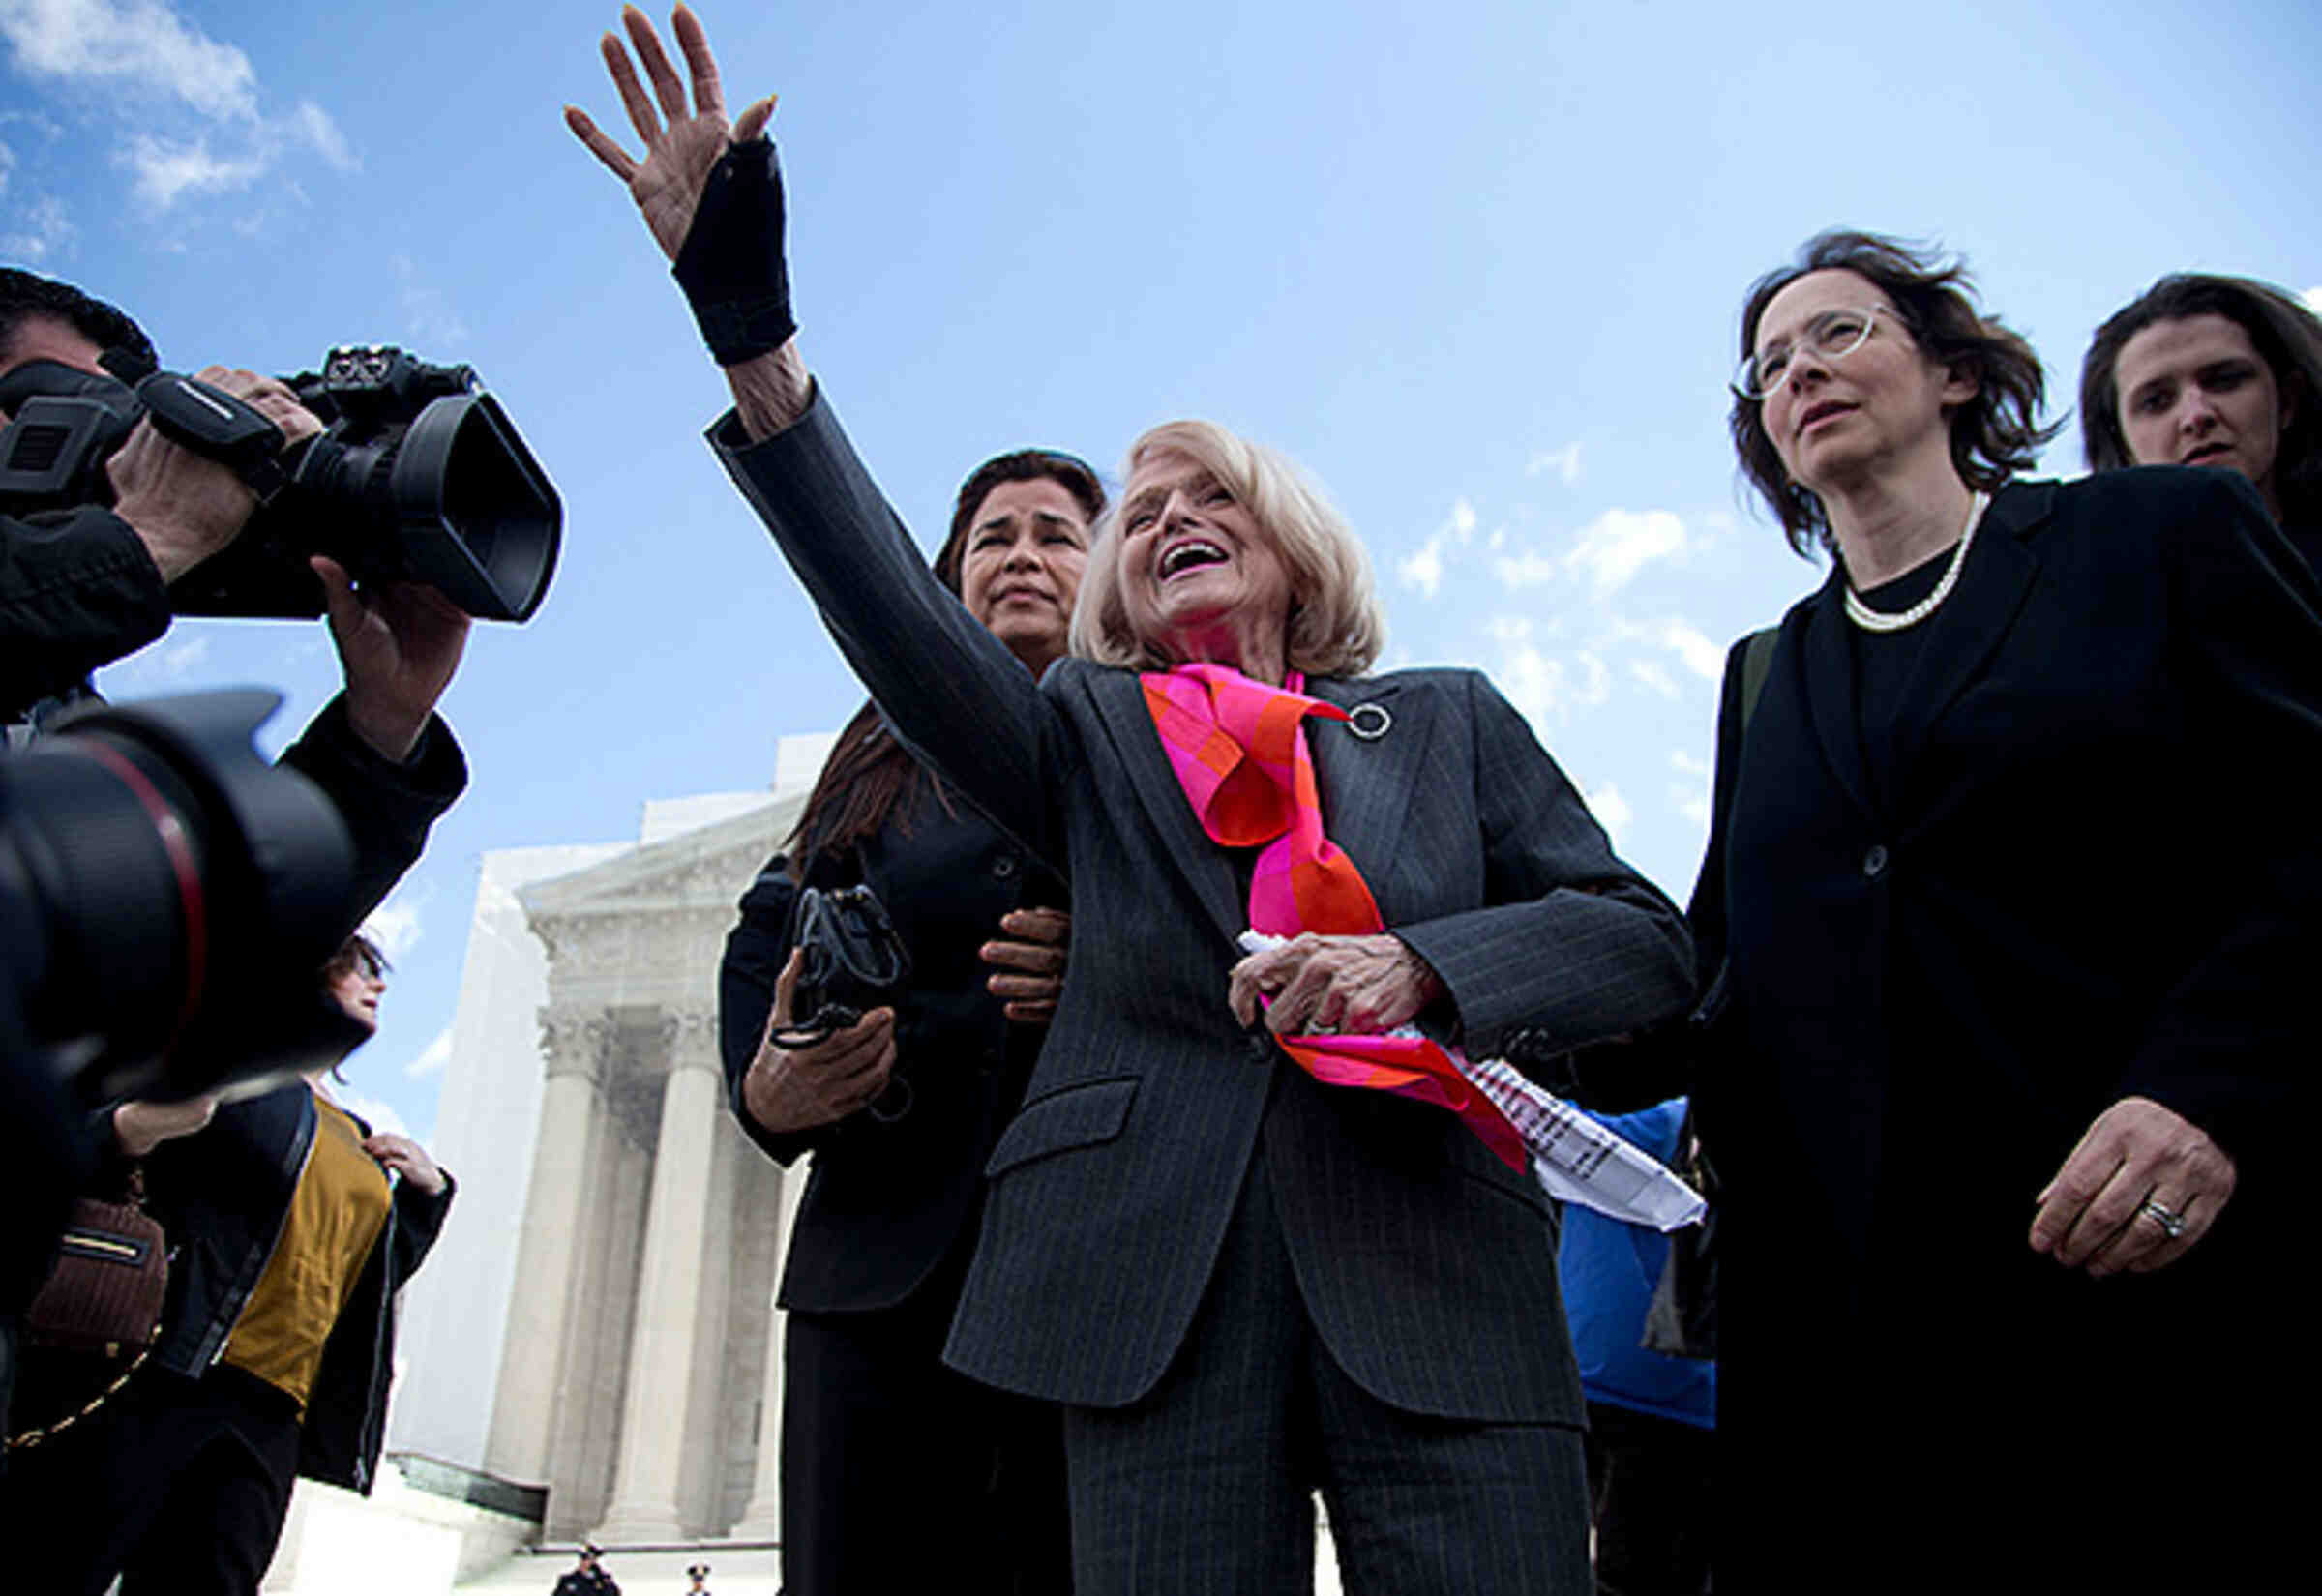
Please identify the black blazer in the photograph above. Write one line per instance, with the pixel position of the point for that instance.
(2081, 865)
(1428, 1266)
(894, 1192)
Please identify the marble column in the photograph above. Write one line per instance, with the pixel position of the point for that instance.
(645, 1506)
(540, 1306)
(761, 1519)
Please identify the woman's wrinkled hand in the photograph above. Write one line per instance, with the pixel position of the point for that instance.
(1358, 986)
(790, 1089)
(681, 145)
(409, 1159)
(1028, 963)
(2098, 1213)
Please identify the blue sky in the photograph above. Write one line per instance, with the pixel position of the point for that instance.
(1476, 265)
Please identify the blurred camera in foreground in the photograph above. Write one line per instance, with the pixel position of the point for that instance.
(166, 899)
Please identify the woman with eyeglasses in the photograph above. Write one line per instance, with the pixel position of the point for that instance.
(2011, 927)
(2222, 371)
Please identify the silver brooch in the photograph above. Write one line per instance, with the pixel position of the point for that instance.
(1369, 722)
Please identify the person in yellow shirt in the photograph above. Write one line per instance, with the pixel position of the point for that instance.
(291, 1224)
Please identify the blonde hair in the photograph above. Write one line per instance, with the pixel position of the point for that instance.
(1335, 626)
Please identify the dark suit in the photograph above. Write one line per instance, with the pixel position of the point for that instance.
(1423, 1267)
(2073, 865)
(870, 1413)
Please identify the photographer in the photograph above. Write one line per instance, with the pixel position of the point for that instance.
(82, 587)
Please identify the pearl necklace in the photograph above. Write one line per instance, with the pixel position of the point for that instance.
(1873, 620)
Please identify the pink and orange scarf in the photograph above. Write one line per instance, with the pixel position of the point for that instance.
(1238, 747)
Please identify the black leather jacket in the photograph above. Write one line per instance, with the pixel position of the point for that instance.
(221, 1196)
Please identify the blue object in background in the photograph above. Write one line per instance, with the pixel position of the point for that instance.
(1609, 1270)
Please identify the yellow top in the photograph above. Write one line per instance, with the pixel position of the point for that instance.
(336, 1216)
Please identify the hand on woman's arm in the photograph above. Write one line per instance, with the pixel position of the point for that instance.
(727, 251)
(792, 1089)
(1028, 963)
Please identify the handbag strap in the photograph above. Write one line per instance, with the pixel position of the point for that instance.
(40, 1433)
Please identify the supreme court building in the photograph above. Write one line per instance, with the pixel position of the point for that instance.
(598, 1317)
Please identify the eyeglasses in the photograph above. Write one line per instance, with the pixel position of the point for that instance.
(1833, 335)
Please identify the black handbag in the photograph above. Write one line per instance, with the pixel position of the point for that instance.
(853, 962)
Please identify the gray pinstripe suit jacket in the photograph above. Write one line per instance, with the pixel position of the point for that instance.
(1428, 1267)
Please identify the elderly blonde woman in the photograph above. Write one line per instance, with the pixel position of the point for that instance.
(1245, 1275)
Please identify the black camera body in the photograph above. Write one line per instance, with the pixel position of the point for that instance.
(852, 960)
(417, 476)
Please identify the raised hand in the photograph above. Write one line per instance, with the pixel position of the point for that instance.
(682, 146)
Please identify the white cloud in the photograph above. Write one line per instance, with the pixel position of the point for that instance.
(1654, 676)
(380, 1116)
(1620, 543)
(1702, 657)
(1423, 570)
(200, 130)
(433, 1058)
(1564, 463)
(135, 43)
(1691, 795)
(427, 313)
(395, 925)
(1526, 570)
(1545, 686)
(2313, 298)
(165, 169)
(8, 163)
(45, 229)
(312, 126)
(1611, 809)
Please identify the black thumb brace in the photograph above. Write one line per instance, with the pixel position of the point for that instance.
(730, 265)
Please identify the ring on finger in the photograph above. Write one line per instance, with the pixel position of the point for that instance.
(2171, 1222)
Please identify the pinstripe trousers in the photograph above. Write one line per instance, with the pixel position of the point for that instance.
(1205, 1484)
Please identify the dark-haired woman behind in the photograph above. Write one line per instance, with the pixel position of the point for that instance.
(2014, 926)
(898, 1473)
(2222, 371)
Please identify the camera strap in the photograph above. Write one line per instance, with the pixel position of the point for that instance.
(216, 425)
